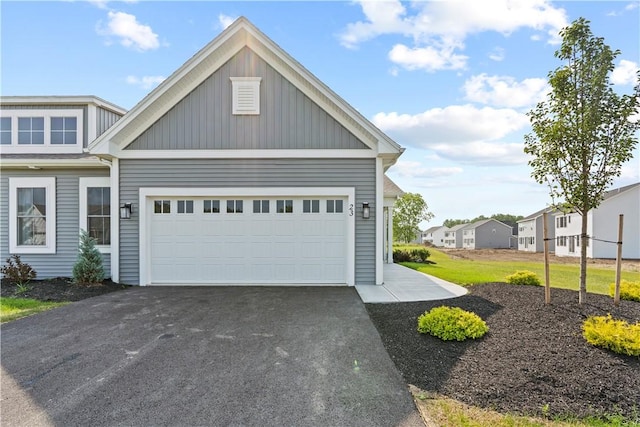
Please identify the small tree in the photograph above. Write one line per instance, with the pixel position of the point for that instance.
(408, 212)
(88, 268)
(582, 133)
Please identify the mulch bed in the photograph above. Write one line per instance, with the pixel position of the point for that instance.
(58, 290)
(533, 355)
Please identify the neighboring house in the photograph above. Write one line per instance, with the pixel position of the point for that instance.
(434, 235)
(453, 236)
(531, 232)
(391, 193)
(486, 234)
(602, 226)
(240, 168)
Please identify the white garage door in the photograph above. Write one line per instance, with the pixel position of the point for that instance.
(262, 240)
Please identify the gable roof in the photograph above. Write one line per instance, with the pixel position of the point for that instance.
(391, 189)
(458, 227)
(434, 228)
(536, 214)
(483, 222)
(186, 78)
(612, 193)
(62, 100)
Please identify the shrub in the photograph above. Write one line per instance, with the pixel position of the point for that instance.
(523, 277)
(452, 323)
(401, 256)
(16, 271)
(615, 335)
(413, 255)
(628, 290)
(420, 255)
(88, 268)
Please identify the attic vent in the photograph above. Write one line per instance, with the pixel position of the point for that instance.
(246, 95)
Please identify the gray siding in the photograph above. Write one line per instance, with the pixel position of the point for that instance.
(288, 119)
(358, 173)
(61, 263)
(486, 238)
(85, 120)
(105, 119)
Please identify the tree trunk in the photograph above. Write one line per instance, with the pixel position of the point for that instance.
(584, 240)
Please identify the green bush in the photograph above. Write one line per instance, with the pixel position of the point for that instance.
(523, 277)
(452, 323)
(615, 335)
(628, 290)
(16, 271)
(413, 255)
(88, 268)
(420, 255)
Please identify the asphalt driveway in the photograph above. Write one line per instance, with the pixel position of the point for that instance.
(203, 356)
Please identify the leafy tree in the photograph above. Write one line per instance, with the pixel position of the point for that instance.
(88, 268)
(409, 211)
(582, 133)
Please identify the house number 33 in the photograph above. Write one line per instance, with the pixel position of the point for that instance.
(351, 209)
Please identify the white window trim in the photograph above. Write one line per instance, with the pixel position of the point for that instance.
(49, 184)
(47, 147)
(86, 183)
(250, 84)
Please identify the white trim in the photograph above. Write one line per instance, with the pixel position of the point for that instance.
(115, 220)
(84, 184)
(379, 218)
(49, 183)
(144, 225)
(61, 100)
(47, 147)
(245, 154)
(85, 162)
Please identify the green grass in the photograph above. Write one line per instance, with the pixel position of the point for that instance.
(468, 272)
(15, 308)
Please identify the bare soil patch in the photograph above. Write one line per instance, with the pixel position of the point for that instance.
(516, 255)
(533, 356)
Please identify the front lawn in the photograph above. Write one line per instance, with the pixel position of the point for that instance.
(15, 308)
(468, 271)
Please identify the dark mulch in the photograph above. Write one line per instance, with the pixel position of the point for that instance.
(533, 355)
(58, 290)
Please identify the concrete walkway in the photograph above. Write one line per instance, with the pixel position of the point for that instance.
(402, 284)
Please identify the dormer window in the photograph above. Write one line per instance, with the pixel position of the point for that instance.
(41, 131)
(245, 95)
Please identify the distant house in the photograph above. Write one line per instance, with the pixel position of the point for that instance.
(434, 235)
(453, 236)
(486, 234)
(531, 232)
(602, 226)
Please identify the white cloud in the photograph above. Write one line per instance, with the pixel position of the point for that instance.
(505, 91)
(225, 20)
(131, 33)
(482, 152)
(631, 6)
(412, 169)
(438, 29)
(145, 82)
(624, 73)
(497, 54)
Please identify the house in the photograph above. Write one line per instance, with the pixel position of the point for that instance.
(453, 236)
(602, 226)
(531, 232)
(240, 168)
(486, 234)
(434, 235)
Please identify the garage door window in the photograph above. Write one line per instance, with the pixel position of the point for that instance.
(185, 206)
(284, 206)
(162, 206)
(311, 206)
(211, 206)
(334, 206)
(260, 206)
(234, 206)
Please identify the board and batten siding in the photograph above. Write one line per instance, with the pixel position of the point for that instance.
(105, 119)
(61, 263)
(288, 119)
(226, 173)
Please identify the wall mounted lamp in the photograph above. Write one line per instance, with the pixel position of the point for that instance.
(366, 212)
(125, 211)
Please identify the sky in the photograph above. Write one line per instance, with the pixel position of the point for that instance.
(450, 81)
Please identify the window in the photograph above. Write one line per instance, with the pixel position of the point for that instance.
(561, 241)
(95, 210)
(234, 206)
(185, 206)
(5, 130)
(561, 222)
(32, 215)
(260, 206)
(64, 130)
(162, 206)
(246, 95)
(284, 206)
(211, 206)
(311, 206)
(31, 130)
(334, 206)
